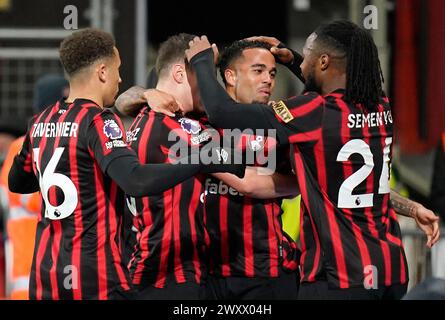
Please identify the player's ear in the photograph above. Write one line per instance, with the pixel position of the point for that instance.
(230, 76)
(324, 61)
(102, 72)
(178, 73)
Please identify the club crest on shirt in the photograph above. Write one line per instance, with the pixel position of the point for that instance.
(256, 143)
(282, 111)
(190, 126)
(112, 130)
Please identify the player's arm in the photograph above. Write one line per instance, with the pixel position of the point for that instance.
(260, 184)
(426, 220)
(106, 140)
(21, 178)
(131, 101)
(139, 180)
(294, 64)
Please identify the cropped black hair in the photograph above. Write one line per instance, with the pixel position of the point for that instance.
(234, 51)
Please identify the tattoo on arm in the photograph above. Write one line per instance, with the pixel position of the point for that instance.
(402, 205)
(128, 98)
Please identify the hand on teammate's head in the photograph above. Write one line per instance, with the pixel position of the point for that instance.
(281, 53)
(270, 40)
(198, 45)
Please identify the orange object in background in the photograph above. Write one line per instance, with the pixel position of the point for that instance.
(20, 225)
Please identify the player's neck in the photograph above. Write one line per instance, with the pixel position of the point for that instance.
(166, 87)
(81, 92)
(335, 82)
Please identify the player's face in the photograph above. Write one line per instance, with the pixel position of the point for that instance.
(254, 78)
(308, 65)
(113, 79)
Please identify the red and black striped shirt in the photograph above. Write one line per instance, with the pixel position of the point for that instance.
(170, 230)
(76, 253)
(246, 236)
(341, 153)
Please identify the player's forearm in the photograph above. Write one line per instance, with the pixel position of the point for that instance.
(295, 66)
(130, 102)
(259, 185)
(139, 180)
(403, 206)
(146, 180)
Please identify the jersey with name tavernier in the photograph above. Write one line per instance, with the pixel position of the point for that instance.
(246, 235)
(170, 229)
(77, 252)
(350, 234)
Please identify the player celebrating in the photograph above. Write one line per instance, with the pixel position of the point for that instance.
(75, 152)
(341, 134)
(250, 255)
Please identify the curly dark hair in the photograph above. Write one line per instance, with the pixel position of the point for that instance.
(82, 48)
(172, 50)
(234, 51)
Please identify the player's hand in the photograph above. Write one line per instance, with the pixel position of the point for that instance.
(283, 55)
(198, 45)
(161, 102)
(428, 222)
